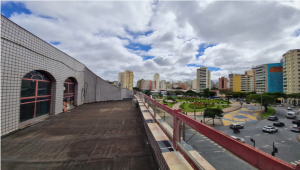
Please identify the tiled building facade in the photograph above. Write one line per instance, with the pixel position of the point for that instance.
(22, 53)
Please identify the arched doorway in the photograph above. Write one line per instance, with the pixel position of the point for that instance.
(35, 95)
(69, 92)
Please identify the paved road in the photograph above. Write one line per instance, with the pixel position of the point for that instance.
(285, 140)
(216, 155)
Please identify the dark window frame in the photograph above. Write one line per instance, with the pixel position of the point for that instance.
(35, 99)
(68, 95)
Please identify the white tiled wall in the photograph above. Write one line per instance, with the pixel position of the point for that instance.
(22, 52)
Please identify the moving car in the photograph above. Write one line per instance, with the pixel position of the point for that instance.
(236, 126)
(291, 115)
(269, 129)
(247, 102)
(272, 118)
(278, 124)
(289, 108)
(296, 122)
(239, 139)
(295, 128)
(281, 105)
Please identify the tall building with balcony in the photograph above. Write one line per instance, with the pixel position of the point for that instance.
(291, 71)
(250, 80)
(156, 81)
(126, 80)
(222, 83)
(203, 79)
(230, 76)
(239, 83)
(269, 78)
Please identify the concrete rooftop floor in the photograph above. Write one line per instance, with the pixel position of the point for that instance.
(107, 135)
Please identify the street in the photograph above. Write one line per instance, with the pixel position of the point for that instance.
(285, 140)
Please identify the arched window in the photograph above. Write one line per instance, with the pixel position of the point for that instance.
(35, 95)
(69, 92)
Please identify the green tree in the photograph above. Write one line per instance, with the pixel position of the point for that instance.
(136, 89)
(266, 99)
(206, 92)
(277, 94)
(148, 92)
(213, 113)
(227, 93)
(214, 88)
(212, 93)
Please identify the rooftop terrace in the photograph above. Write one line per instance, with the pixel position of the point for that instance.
(99, 136)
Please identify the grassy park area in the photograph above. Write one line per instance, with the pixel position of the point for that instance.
(268, 113)
(186, 107)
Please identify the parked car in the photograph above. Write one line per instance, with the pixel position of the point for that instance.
(291, 115)
(272, 118)
(269, 129)
(289, 108)
(292, 106)
(236, 126)
(278, 124)
(295, 128)
(281, 105)
(239, 139)
(296, 122)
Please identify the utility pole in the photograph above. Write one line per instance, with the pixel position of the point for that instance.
(260, 97)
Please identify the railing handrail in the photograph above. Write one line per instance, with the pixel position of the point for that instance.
(253, 156)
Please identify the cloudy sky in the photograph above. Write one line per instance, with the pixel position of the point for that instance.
(169, 38)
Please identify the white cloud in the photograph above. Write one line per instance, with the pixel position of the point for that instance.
(97, 33)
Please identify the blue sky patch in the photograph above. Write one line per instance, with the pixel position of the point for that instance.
(136, 34)
(209, 68)
(8, 8)
(297, 33)
(147, 57)
(136, 46)
(202, 48)
(54, 42)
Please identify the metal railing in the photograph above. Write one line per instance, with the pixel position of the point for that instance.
(251, 155)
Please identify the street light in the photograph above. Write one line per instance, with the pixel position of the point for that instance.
(260, 97)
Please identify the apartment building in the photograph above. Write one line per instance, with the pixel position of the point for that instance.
(239, 83)
(203, 79)
(291, 71)
(230, 76)
(269, 78)
(126, 80)
(222, 83)
(156, 81)
(250, 80)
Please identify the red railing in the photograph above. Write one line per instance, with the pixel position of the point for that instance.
(253, 156)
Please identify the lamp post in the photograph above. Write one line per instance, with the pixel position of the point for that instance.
(260, 97)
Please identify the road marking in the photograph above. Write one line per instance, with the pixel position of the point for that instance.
(282, 141)
(218, 151)
(207, 139)
(293, 163)
(276, 143)
(219, 146)
(266, 146)
(204, 137)
(247, 136)
(215, 144)
(257, 135)
(290, 139)
(200, 140)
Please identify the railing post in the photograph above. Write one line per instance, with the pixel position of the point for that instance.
(298, 166)
(176, 128)
(154, 107)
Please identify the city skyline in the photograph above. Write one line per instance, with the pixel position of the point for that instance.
(146, 44)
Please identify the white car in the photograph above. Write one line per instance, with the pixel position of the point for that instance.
(289, 108)
(239, 139)
(292, 106)
(269, 129)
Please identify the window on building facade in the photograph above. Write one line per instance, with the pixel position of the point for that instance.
(69, 92)
(35, 95)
